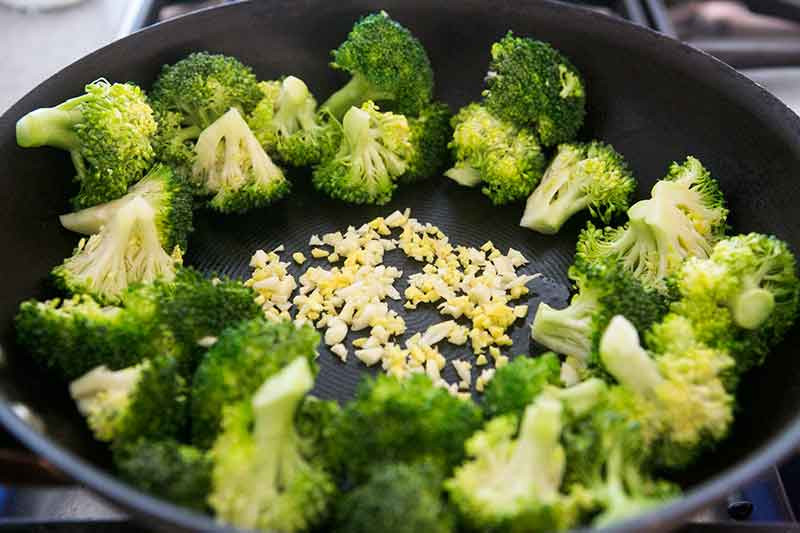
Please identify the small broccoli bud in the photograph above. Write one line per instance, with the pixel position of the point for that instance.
(231, 164)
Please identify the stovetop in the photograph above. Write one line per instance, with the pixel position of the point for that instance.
(759, 37)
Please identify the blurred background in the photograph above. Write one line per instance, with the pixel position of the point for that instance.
(761, 38)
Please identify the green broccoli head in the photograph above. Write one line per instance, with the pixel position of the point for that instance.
(512, 480)
(608, 456)
(743, 298)
(167, 194)
(397, 498)
(127, 250)
(401, 421)
(287, 125)
(72, 336)
(684, 217)
(231, 165)
(604, 290)
(202, 87)
(374, 152)
(589, 176)
(681, 391)
(147, 400)
(167, 469)
(532, 84)
(108, 132)
(265, 474)
(387, 64)
(174, 143)
(515, 385)
(505, 159)
(238, 363)
(430, 134)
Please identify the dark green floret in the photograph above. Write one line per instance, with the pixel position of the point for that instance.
(108, 132)
(388, 65)
(518, 383)
(430, 134)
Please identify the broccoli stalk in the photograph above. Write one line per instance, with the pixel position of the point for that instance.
(231, 164)
(127, 250)
(373, 154)
(166, 193)
(264, 475)
(514, 483)
(143, 401)
(108, 132)
(581, 176)
(684, 217)
(387, 64)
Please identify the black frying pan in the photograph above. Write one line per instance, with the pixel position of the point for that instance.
(653, 98)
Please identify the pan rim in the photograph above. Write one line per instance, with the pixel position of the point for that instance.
(713, 489)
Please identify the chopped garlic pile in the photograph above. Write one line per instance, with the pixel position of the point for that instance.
(353, 291)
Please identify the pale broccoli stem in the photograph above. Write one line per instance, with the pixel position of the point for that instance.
(54, 126)
(626, 360)
(370, 158)
(569, 330)
(752, 305)
(295, 108)
(559, 195)
(464, 174)
(101, 394)
(357, 91)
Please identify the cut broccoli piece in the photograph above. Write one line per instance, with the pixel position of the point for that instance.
(743, 298)
(398, 498)
(505, 159)
(166, 469)
(388, 65)
(685, 217)
(231, 165)
(74, 335)
(513, 483)
(238, 363)
(108, 132)
(374, 152)
(430, 134)
(143, 401)
(202, 87)
(604, 290)
(126, 251)
(679, 393)
(265, 474)
(167, 194)
(174, 144)
(515, 385)
(287, 125)
(589, 176)
(401, 421)
(532, 84)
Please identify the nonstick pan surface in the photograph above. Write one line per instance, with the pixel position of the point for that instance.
(654, 99)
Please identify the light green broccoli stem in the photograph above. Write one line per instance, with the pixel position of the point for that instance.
(580, 398)
(369, 157)
(569, 330)
(295, 108)
(752, 307)
(464, 174)
(52, 126)
(357, 91)
(626, 360)
(559, 195)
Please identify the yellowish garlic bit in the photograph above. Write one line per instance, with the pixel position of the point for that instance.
(484, 378)
(272, 284)
(299, 258)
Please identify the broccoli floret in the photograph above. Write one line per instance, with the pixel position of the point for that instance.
(202, 87)
(604, 290)
(684, 217)
(166, 469)
(238, 363)
(167, 194)
(126, 251)
(589, 176)
(231, 165)
(401, 421)
(513, 483)
(147, 400)
(108, 132)
(388, 65)
(174, 144)
(505, 159)
(397, 498)
(607, 454)
(74, 335)
(374, 152)
(287, 125)
(532, 84)
(679, 392)
(515, 385)
(265, 474)
(430, 134)
(743, 298)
